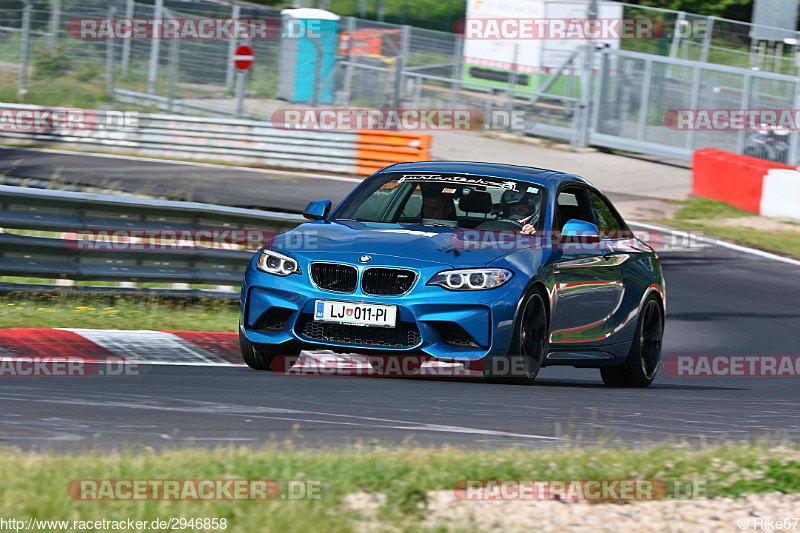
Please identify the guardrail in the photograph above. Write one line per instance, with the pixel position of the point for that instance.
(229, 140)
(70, 213)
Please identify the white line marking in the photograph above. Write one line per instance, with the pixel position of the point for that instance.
(718, 242)
(188, 163)
(261, 413)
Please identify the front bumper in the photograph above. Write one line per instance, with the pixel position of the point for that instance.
(446, 325)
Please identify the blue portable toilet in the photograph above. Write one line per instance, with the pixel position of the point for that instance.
(299, 54)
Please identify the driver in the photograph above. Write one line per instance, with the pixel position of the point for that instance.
(521, 207)
(437, 206)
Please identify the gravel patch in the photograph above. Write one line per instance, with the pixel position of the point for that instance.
(445, 511)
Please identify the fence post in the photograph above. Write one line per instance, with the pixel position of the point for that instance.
(154, 50)
(55, 23)
(317, 70)
(602, 82)
(235, 13)
(743, 104)
(23, 50)
(399, 66)
(644, 102)
(458, 59)
(126, 43)
(707, 40)
(693, 103)
(173, 72)
(381, 9)
(795, 136)
(676, 40)
(348, 74)
(110, 73)
(240, 85)
(586, 88)
(513, 85)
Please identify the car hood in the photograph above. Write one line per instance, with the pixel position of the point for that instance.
(349, 240)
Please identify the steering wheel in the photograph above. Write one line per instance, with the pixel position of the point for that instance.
(501, 223)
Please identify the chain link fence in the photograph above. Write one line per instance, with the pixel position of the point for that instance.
(612, 97)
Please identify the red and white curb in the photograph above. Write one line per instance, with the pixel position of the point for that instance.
(186, 348)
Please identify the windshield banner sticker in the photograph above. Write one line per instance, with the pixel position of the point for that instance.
(507, 185)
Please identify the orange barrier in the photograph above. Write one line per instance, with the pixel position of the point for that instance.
(377, 149)
(371, 42)
(731, 178)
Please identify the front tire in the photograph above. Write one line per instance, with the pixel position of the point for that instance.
(641, 366)
(528, 347)
(261, 356)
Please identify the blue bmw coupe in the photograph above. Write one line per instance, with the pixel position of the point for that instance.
(502, 268)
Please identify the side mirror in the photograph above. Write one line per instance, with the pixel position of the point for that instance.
(317, 210)
(579, 232)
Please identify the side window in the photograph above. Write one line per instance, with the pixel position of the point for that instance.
(570, 204)
(607, 221)
(413, 207)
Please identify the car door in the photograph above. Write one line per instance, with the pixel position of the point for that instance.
(587, 291)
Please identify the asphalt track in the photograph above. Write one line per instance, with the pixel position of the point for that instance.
(234, 186)
(720, 302)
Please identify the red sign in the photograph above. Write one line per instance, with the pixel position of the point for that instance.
(243, 57)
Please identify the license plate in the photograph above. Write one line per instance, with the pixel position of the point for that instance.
(357, 314)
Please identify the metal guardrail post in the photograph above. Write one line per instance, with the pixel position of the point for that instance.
(110, 72)
(126, 43)
(24, 50)
(55, 24)
(152, 74)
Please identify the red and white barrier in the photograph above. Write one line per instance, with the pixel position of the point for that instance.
(751, 184)
(36, 352)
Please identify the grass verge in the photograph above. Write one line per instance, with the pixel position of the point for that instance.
(729, 223)
(117, 312)
(35, 484)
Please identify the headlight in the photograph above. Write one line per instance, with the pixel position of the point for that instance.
(278, 264)
(471, 279)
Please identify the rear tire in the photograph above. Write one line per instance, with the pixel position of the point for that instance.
(528, 346)
(641, 366)
(261, 356)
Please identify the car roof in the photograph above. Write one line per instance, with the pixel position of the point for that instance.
(542, 176)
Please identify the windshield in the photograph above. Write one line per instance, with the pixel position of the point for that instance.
(453, 200)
